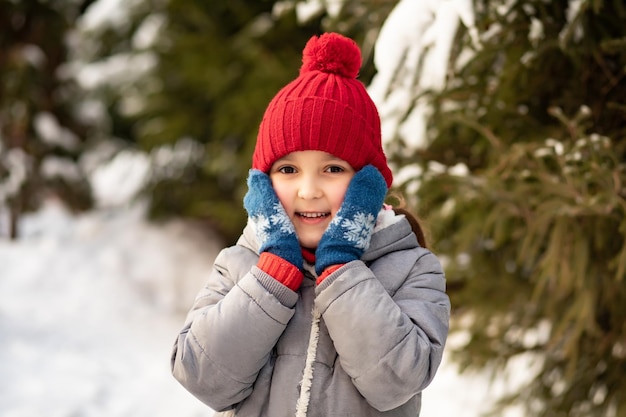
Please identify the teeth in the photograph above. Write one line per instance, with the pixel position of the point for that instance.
(313, 215)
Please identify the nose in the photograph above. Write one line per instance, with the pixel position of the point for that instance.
(309, 188)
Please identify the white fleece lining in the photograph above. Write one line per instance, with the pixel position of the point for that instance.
(386, 217)
(307, 378)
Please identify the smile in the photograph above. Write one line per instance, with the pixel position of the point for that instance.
(317, 215)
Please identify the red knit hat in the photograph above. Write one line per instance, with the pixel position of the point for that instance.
(325, 109)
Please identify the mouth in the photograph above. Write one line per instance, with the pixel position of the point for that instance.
(313, 215)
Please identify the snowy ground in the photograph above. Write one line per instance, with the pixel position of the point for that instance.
(90, 306)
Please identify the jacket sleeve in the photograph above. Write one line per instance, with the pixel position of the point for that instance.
(231, 329)
(389, 341)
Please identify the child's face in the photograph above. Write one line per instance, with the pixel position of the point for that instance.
(311, 186)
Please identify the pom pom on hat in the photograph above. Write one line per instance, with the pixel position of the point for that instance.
(326, 109)
(333, 54)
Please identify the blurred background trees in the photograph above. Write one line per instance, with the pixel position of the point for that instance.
(518, 165)
(42, 134)
(524, 185)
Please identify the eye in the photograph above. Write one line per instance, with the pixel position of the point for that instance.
(335, 169)
(287, 170)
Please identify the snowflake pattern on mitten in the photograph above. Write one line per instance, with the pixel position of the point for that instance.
(264, 225)
(357, 230)
(273, 227)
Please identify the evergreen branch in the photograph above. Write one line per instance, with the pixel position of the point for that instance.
(483, 130)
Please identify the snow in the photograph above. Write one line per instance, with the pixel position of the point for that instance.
(411, 57)
(118, 70)
(103, 14)
(59, 167)
(121, 179)
(147, 33)
(89, 308)
(16, 162)
(51, 132)
(574, 26)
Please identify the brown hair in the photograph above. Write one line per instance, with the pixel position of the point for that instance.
(416, 225)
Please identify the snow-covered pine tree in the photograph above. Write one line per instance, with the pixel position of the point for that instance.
(533, 227)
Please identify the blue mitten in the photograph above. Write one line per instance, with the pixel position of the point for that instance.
(274, 229)
(350, 231)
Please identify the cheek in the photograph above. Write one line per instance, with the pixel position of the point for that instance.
(284, 194)
(337, 196)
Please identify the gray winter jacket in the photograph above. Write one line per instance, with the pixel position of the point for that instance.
(365, 342)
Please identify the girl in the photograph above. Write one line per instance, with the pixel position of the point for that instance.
(327, 305)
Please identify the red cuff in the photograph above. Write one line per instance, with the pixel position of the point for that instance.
(283, 271)
(327, 272)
